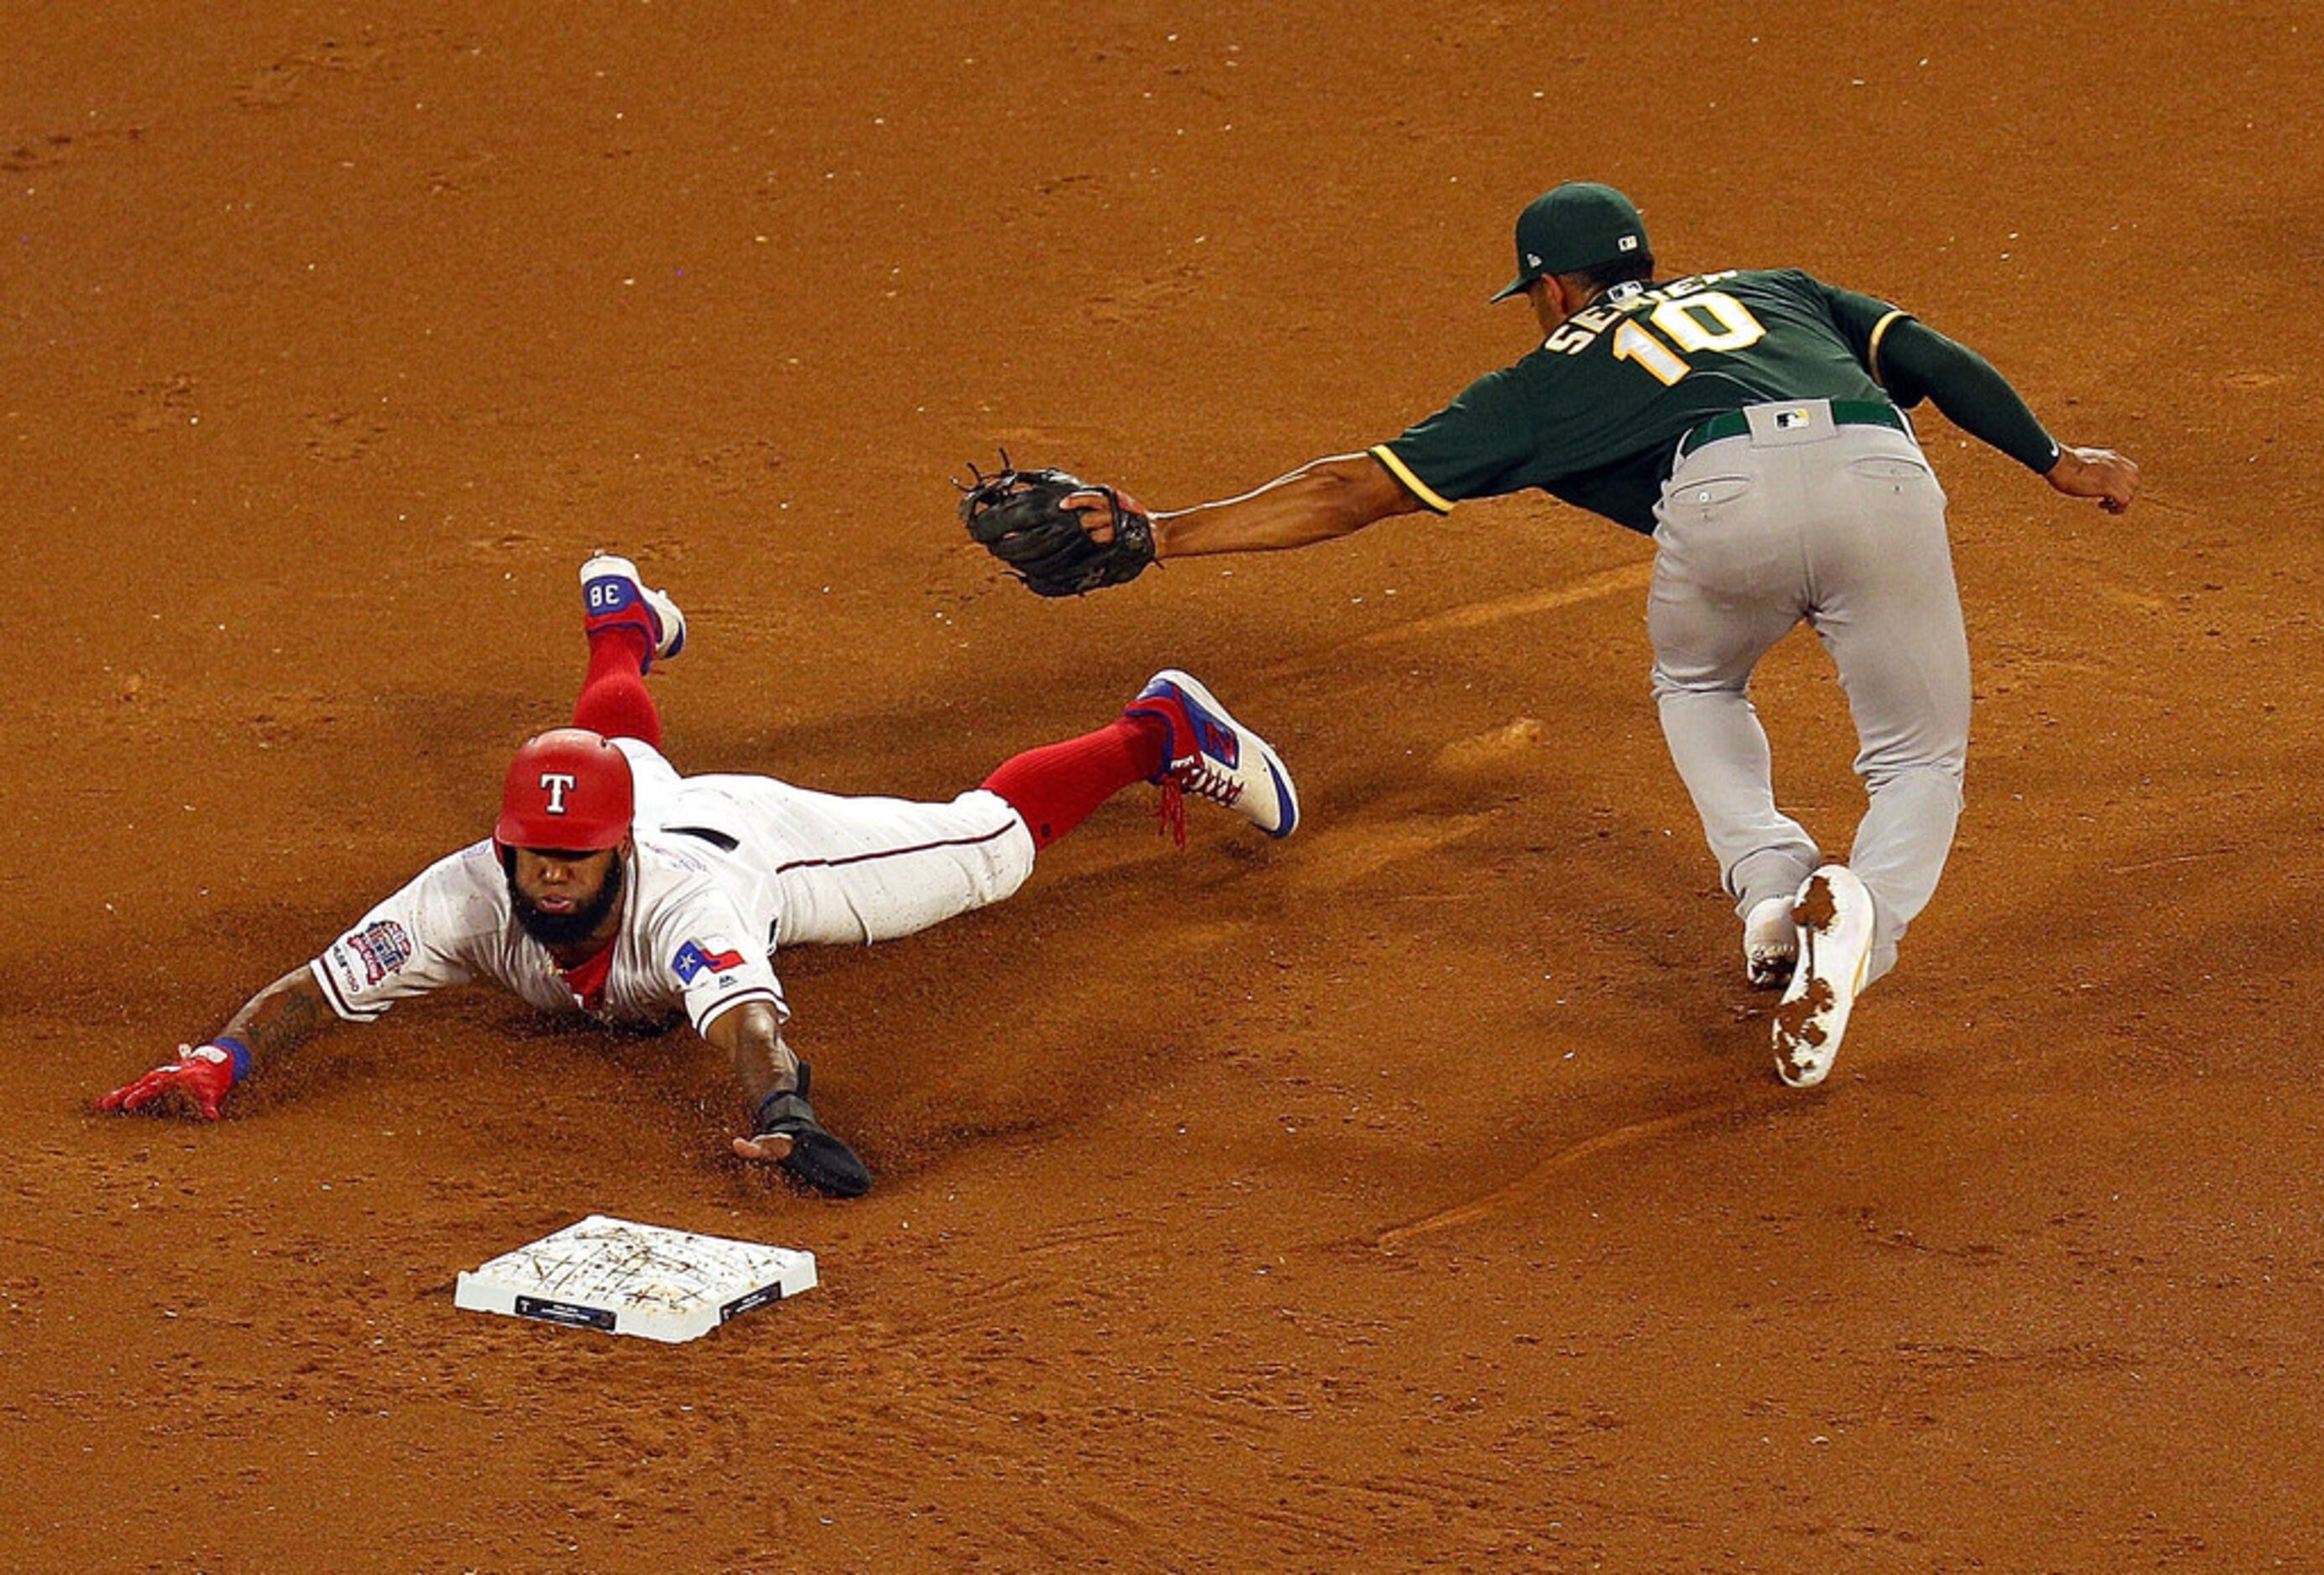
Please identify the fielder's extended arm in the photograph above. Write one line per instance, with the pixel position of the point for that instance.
(270, 1024)
(1324, 499)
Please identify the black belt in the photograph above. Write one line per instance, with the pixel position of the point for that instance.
(1844, 413)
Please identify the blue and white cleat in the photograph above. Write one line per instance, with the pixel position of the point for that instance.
(1833, 914)
(612, 595)
(1213, 756)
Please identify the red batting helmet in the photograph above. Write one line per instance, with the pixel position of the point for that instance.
(568, 788)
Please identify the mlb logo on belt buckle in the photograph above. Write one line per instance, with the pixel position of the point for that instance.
(1787, 419)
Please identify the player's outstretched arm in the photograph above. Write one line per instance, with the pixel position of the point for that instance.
(1914, 361)
(753, 1040)
(272, 1024)
(784, 1130)
(1324, 499)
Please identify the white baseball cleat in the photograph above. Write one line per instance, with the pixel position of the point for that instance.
(1833, 914)
(612, 595)
(1771, 943)
(1213, 756)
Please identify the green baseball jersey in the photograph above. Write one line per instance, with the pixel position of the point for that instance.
(1594, 416)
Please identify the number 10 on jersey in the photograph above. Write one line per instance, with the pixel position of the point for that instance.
(1711, 321)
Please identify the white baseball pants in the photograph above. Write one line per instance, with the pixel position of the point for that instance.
(850, 870)
(1843, 526)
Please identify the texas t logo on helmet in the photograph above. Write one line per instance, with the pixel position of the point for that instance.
(568, 788)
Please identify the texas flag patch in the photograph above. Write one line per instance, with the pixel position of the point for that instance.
(693, 960)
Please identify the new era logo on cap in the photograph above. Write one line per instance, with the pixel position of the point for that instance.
(1628, 244)
(1533, 259)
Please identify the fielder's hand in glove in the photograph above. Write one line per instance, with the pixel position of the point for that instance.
(1059, 534)
(789, 1136)
(199, 1077)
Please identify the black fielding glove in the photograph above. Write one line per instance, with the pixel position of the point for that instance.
(817, 1157)
(1020, 517)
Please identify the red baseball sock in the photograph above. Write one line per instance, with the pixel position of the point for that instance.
(614, 699)
(1056, 787)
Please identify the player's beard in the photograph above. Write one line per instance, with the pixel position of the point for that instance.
(567, 929)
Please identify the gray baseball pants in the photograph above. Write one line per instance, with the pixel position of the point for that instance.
(1842, 526)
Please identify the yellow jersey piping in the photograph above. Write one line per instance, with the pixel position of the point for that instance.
(1403, 473)
(1872, 351)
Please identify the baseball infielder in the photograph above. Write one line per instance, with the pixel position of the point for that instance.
(1753, 423)
(614, 887)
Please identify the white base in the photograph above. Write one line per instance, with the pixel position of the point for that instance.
(627, 1278)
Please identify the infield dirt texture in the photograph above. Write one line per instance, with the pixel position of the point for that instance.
(1415, 1192)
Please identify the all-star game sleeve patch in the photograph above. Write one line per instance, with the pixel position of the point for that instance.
(358, 962)
(383, 947)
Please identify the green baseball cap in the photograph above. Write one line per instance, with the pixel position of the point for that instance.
(1578, 225)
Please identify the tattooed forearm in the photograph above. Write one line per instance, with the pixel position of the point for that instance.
(281, 1018)
(752, 1035)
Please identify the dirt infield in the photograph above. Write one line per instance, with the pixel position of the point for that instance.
(1416, 1191)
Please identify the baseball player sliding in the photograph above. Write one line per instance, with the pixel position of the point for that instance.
(614, 887)
(1753, 423)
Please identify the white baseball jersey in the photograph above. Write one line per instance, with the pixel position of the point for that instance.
(726, 868)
